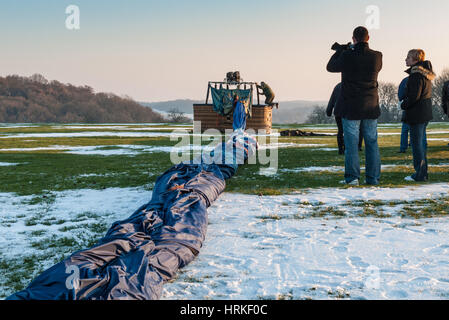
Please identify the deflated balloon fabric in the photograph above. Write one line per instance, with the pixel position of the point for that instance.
(137, 255)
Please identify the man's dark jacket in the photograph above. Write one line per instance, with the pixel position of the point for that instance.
(445, 97)
(331, 106)
(359, 69)
(418, 99)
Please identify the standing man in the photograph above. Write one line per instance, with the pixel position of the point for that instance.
(405, 127)
(359, 103)
(332, 107)
(445, 98)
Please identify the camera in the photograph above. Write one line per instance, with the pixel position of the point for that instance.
(341, 47)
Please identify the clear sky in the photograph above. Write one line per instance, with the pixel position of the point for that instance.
(167, 49)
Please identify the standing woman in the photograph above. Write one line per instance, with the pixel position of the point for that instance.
(418, 109)
(405, 127)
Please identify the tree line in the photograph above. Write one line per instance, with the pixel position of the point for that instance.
(36, 100)
(388, 100)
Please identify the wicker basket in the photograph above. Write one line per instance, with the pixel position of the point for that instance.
(261, 118)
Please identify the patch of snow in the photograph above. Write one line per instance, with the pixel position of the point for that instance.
(314, 169)
(123, 127)
(289, 145)
(18, 125)
(7, 164)
(326, 149)
(127, 149)
(120, 127)
(248, 257)
(429, 132)
(263, 251)
(91, 134)
(50, 148)
(111, 204)
(106, 150)
(342, 169)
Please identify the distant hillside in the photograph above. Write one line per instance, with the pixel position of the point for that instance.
(35, 99)
(288, 112)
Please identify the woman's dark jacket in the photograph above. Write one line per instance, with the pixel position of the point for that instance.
(418, 99)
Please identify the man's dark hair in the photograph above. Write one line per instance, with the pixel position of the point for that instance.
(361, 34)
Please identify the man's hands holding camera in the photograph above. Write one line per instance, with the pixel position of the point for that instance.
(341, 47)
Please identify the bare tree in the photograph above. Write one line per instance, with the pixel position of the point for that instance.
(177, 116)
(319, 116)
(437, 88)
(388, 101)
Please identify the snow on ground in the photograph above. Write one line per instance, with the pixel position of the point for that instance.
(177, 132)
(111, 204)
(129, 149)
(247, 257)
(273, 248)
(97, 126)
(7, 164)
(120, 127)
(326, 149)
(108, 150)
(429, 132)
(89, 134)
(289, 145)
(18, 125)
(342, 169)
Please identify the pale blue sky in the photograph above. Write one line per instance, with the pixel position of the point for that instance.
(162, 50)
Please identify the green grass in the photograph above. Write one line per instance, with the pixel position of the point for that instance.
(17, 272)
(58, 172)
(41, 172)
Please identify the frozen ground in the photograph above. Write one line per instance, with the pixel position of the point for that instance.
(127, 149)
(325, 243)
(109, 150)
(7, 164)
(271, 247)
(385, 167)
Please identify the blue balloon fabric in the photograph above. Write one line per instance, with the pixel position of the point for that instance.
(139, 254)
(239, 117)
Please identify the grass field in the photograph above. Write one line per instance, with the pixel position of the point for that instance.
(63, 185)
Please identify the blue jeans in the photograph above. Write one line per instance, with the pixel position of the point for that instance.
(404, 136)
(351, 130)
(419, 149)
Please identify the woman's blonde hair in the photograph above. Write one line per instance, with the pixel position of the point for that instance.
(417, 54)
